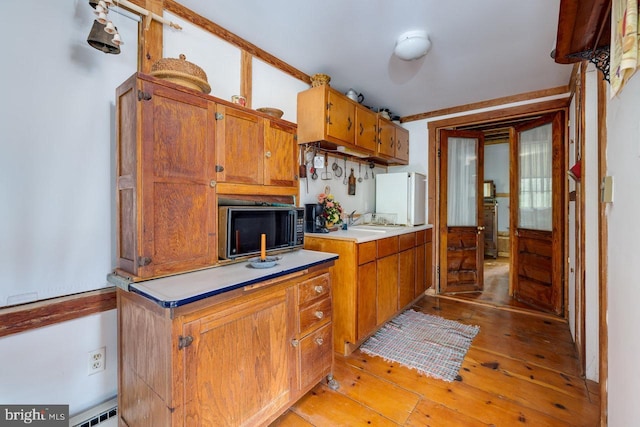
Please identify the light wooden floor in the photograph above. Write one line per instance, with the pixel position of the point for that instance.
(521, 370)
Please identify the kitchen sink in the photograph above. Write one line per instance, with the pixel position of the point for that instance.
(379, 228)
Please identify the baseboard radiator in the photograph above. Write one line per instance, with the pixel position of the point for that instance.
(102, 415)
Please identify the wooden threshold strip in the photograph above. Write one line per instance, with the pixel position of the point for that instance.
(35, 315)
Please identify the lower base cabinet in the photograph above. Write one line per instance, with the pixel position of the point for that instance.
(373, 281)
(237, 359)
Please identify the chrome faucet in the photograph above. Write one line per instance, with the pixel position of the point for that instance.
(350, 220)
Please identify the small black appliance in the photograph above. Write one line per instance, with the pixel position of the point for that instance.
(314, 221)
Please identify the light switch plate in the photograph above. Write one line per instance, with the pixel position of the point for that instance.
(606, 190)
(318, 162)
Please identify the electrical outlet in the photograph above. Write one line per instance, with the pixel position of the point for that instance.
(97, 360)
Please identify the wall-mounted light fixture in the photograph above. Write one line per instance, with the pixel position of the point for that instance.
(412, 45)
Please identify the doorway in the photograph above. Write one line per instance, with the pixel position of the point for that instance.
(499, 267)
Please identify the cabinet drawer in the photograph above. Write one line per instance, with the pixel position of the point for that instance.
(407, 241)
(317, 287)
(366, 252)
(315, 356)
(421, 237)
(315, 314)
(387, 246)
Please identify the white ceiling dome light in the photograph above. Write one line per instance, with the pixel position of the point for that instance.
(412, 45)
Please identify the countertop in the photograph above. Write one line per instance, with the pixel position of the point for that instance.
(181, 289)
(366, 233)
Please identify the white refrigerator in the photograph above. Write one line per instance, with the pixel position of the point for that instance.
(403, 194)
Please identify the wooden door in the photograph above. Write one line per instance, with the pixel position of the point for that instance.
(461, 199)
(240, 146)
(537, 215)
(178, 213)
(238, 368)
(280, 155)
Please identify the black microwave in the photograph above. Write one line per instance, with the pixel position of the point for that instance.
(240, 229)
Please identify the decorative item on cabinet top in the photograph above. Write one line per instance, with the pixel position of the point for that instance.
(320, 80)
(182, 72)
(273, 112)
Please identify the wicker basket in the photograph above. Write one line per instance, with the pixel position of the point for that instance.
(182, 72)
(320, 80)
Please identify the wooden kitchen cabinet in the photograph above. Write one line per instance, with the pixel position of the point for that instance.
(373, 281)
(281, 154)
(393, 142)
(254, 150)
(237, 358)
(386, 139)
(176, 151)
(406, 269)
(166, 199)
(239, 146)
(387, 279)
(423, 263)
(325, 114)
(366, 134)
(402, 145)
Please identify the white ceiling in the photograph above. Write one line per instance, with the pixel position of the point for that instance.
(480, 50)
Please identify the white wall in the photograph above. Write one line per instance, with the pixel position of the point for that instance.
(590, 186)
(57, 168)
(623, 163)
(57, 213)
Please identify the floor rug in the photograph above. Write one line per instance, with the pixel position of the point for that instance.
(429, 344)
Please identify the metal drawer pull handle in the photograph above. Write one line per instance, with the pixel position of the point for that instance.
(319, 314)
(294, 342)
(319, 289)
(319, 341)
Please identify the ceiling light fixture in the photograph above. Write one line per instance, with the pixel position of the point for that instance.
(412, 45)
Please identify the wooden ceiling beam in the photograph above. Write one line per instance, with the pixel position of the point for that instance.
(583, 25)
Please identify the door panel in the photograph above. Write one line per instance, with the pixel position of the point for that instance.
(537, 193)
(461, 228)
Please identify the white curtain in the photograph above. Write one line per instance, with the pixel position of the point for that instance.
(462, 185)
(535, 189)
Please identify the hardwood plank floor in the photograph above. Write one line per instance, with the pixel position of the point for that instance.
(521, 369)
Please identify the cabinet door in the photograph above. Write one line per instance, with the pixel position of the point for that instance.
(387, 281)
(366, 129)
(280, 155)
(340, 117)
(315, 357)
(238, 367)
(406, 277)
(421, 268)
(386, 139)
(178, 217)
(367, 304)
(402, 145)
(240, 146)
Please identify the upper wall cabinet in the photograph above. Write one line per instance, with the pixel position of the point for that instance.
(177, 152)
(254, 150)
(330, 118)
(165, 169)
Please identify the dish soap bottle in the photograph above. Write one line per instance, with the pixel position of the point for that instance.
(352, 184)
